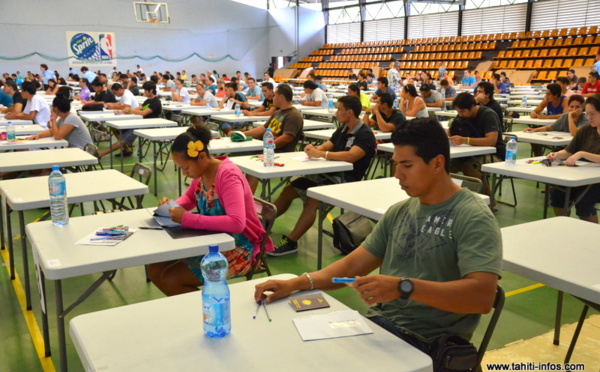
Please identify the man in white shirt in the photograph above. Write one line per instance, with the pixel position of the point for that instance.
(180, 94)
(126, 98)
(36, 109)
(269, 79)
(205, 97)
(314, 95)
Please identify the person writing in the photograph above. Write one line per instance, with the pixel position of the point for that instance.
(225, 204)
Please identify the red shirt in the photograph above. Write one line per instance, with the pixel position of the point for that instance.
(589, 88)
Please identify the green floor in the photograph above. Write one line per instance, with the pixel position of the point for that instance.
(525, 315)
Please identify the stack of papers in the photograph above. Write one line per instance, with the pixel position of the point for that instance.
(161, 214)
(332, 325)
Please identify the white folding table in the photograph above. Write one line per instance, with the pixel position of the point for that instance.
(141, 123)
(4, 122)
(42, 143)
(57, 257)
(106, 339)
(550, 139)
(29, 160)
(306, 126)
(24, 194)
(232, 118)
(101, 118)
(531, 121)
(325, 134)
(292, 164)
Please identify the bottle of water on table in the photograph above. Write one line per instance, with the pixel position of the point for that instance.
(330, 104)
(396, 103)
(216, 308)
(268, 149)
(238, 110)
(511, 151)
(57, 186)
(10, 132)
(524, 102)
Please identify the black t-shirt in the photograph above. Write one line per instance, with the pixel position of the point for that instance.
(397, 118)
(362, 137)
(36, 83)
(105, 96)
(18, 99)
(363, 85)
(494, 105)
(486, 121)
(154, 105)
(135, 90)
(267, 104)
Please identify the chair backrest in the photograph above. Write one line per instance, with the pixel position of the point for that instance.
(470, 183)
(142, 173)
(93, 150)
(267, 213)
(498, 306)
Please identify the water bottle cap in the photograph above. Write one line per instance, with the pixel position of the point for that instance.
(512, 137)
(213, 248)
(55, 167)
(268, 129)
(10, 122)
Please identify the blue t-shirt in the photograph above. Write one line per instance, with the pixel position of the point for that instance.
(502, 87)
(6, 100)
(388, 90)
(597, 66)
(255, 92)
(468, 81)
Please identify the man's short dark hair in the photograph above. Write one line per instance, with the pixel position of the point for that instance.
(354, 87)
(84, 69)
(310, 85)
(572, 71)
(444, 82)
(44, 66)
(97, 83)
(28, 87)
(166, 76)
(488, 88)
(425, 88)
(116, 87)
(318, 78)
(231, 85)
(464, 101)
(62, 103)
(253, 79)
(595, 75)
(150, 85)
(554, 89)
(594, 101)
(387, 99)
(134, 79)
(154, 79)
(563, 79)
(384, 80)
(12, 84)
(497, 76)
(427, 137)
(124, 76)
(503, 73)
(285, 91)
(576, 97)
(311, 74)
(351, 103)
(267, 85)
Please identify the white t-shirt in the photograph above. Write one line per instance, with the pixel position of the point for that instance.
(318, 95)
(183, 93)
(209, 97)
(129, 99)
(38, 104)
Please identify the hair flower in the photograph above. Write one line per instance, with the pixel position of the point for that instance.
(194, 148)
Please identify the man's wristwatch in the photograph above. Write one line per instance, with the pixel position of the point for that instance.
(406, 288)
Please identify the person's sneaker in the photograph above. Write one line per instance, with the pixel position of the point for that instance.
(284, 246)
(126, 154)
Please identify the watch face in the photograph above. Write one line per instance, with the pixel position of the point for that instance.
(406, 286)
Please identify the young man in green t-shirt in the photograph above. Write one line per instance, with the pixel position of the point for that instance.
(439, 252)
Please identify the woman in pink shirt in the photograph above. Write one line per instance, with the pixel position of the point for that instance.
(217, 186)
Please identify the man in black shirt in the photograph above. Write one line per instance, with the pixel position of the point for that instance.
(10, 88)
(484, 95)
(385, 117)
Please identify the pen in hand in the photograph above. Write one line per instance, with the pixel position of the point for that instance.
(343, 280)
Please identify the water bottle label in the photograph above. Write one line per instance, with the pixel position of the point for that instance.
(57, 188)
(511, 155)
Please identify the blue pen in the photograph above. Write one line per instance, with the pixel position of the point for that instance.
(107, 233)
(343, 280)
(104, 238)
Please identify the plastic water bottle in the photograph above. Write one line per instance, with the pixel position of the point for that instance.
(524, 102)
(511, 151)
(238, 112)
(10, 132)
(268, 149)
(216, 308)
(57, 186)
(330, 103)
(396, 103)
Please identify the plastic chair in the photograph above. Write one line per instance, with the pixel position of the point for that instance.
(470, 183)
(93, 150)
(498, 306)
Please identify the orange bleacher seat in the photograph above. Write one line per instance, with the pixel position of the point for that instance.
(552, 75)
(572, 52)
(578, 62)
(554, 33)
(501, 54)
(573, 31)
(547, 63)
(552, 52)
(520, 64)
(589, 62)
(578, 41)
(517, 54)
(559, 42)
(597, 40)
(562, 73)
(503, 64)
(568, 41)
(536, 43)
(529, 63)
(583, 52)
(538, 63)
(541, 75)
(514, 45)
(544, 53)
(563, 32)
(509, 54)
(557, 63)
(471, 55)
(567, 63)
(451, 65)
(563, 52)
(548, 43)
(592, 30)
(536, 34)
(526, 53)
(512, 64)
(582, 31)
(545, 33)
(588, 40)
(594, 51)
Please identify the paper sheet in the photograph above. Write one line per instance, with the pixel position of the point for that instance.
(161, 214)
(331, 325)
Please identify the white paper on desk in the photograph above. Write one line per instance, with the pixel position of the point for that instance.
(309, 159)
(331, 325)
(104, 241)
(161, 214)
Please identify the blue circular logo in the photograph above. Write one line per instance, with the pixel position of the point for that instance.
(83, 46)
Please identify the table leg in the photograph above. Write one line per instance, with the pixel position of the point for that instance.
(140, 149)
(546, 199)
(122, 148)
(567, 209)
(3, 206)
(320, 236)
(25, 260)
(11, 252)
(179, 180)
(44, 308)
(60, 325)
(263, 191)
(557, 320)
(110, 154)
(493, 192)
(154, 169)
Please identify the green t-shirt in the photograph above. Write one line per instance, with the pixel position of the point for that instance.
(441, 243)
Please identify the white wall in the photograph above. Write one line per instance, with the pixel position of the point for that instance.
(212, 29)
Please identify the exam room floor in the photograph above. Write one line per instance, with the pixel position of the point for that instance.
(526, 314)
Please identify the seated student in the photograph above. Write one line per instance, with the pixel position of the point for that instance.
(150, 109)
(314, 95)
(385, 117)
(371, 81)
(446, 77)
(180, 93)
(312, 77)
(554, 103)
(468, 81)
(232, 100)
(126, 98)
(592, 86)
(505, 80)
(484, 95)
(447, 91)
(168, 82)
(268, 79)
(52, 87)
(564, 86)
(499, 86)
(410, 102)
(319, 81)
(225, 204)
(267, 108)
(65, 125)
(84, 93)
(220, 88)
(355, 90)
(102, 96)
(568, 122)
(36, 108)
(18, 103)
(352, 142)
(475, 125)
(580, 84)
(584, 146)
(204, 98)
(573, 78)
(382, 87)
(428, 80)
(59, 80)
(6, 100)
(194, 80)
(432, 98)
(436, 275)
(130, 84)
(362, 83)
(286, 123)
(254, 92)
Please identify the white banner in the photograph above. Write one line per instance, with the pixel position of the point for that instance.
(91, 48)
